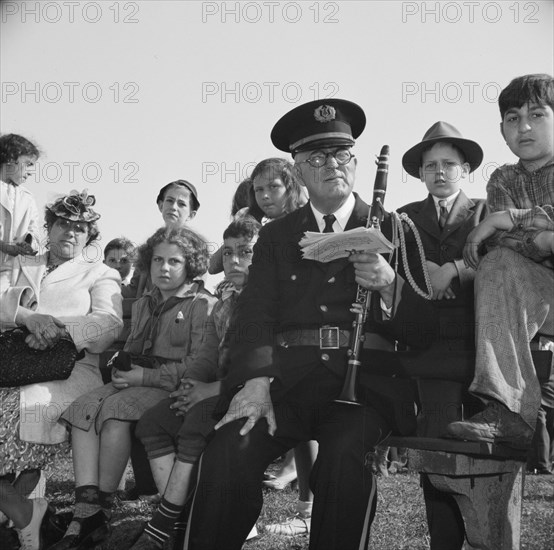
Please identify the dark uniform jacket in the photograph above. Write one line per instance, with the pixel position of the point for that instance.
(454, 318)
(286, 292)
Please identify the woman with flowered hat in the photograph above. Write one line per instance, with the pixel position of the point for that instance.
(65, 291)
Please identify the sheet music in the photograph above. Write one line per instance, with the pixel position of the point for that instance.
(326, 247)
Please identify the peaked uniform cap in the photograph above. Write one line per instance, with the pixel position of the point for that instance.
(321, 123)
(444, 132)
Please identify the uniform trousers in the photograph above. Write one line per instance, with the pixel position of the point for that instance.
(513, 302)
(229, 498)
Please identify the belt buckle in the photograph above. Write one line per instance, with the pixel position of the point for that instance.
(329, 337)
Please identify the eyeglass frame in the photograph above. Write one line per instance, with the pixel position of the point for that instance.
(333, 154)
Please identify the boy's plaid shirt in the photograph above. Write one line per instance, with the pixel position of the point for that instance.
(529, 197)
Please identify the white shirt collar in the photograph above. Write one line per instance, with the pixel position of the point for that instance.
(342, 215)
(449, 200)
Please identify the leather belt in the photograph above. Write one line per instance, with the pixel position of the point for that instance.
(327, 337)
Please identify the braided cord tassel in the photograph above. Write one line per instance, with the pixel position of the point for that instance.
(399, 234)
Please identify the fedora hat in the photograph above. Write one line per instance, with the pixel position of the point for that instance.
(444, 132)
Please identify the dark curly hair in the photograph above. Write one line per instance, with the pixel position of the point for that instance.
(247, 227)
(277, 168)
(50, 219)
(193, 246)
(13, 146)
(530, 88)
(121, 243)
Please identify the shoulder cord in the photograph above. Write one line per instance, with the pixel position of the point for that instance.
(398, 235)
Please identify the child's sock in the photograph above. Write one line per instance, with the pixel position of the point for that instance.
(163, 522)
(87, 503)
(106, 501)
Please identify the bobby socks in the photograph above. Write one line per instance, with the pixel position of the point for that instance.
(163, 522)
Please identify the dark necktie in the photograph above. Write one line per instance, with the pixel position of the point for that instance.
(443, 213)
(329, 221)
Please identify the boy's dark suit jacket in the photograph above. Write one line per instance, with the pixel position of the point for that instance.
(285, 292)
(454, 317)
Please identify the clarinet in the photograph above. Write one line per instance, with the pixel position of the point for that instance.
(363, 295)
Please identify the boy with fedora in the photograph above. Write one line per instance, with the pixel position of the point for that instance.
(289, 349)
(442, 161)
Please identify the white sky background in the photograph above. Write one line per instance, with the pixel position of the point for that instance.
(192, 89)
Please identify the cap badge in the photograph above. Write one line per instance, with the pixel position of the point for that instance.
(325, 113)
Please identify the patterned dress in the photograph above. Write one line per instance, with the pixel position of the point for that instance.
(17, 455)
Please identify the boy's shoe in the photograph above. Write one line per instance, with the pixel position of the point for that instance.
(94, 530)
(29, 536)
(296, 525)
(495, 424)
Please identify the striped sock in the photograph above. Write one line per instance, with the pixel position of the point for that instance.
(163, 521)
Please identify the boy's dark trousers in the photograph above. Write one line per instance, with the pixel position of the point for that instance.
(144, 482)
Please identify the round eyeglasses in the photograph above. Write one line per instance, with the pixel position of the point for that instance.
(319, 158)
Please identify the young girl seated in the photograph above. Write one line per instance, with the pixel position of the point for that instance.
(174, 445)
(168, 327)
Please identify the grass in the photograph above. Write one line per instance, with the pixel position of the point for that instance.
(399, 524)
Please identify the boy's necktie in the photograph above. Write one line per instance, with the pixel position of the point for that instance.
(443, 213)
(329, 221)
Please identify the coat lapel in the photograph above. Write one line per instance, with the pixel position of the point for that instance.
(458, 213)
(424, 215)
(33, 267)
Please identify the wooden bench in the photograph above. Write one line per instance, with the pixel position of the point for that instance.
(486, 480)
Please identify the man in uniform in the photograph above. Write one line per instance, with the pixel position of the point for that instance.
(289, 349)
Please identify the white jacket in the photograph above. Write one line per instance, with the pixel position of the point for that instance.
(83, 293)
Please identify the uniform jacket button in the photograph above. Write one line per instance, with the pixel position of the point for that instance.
(323, 307)
(325, 357)
(331, 280)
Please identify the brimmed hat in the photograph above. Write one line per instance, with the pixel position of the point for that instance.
(442, 131)
(183, 183)
(320, 123)
(75, 207)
